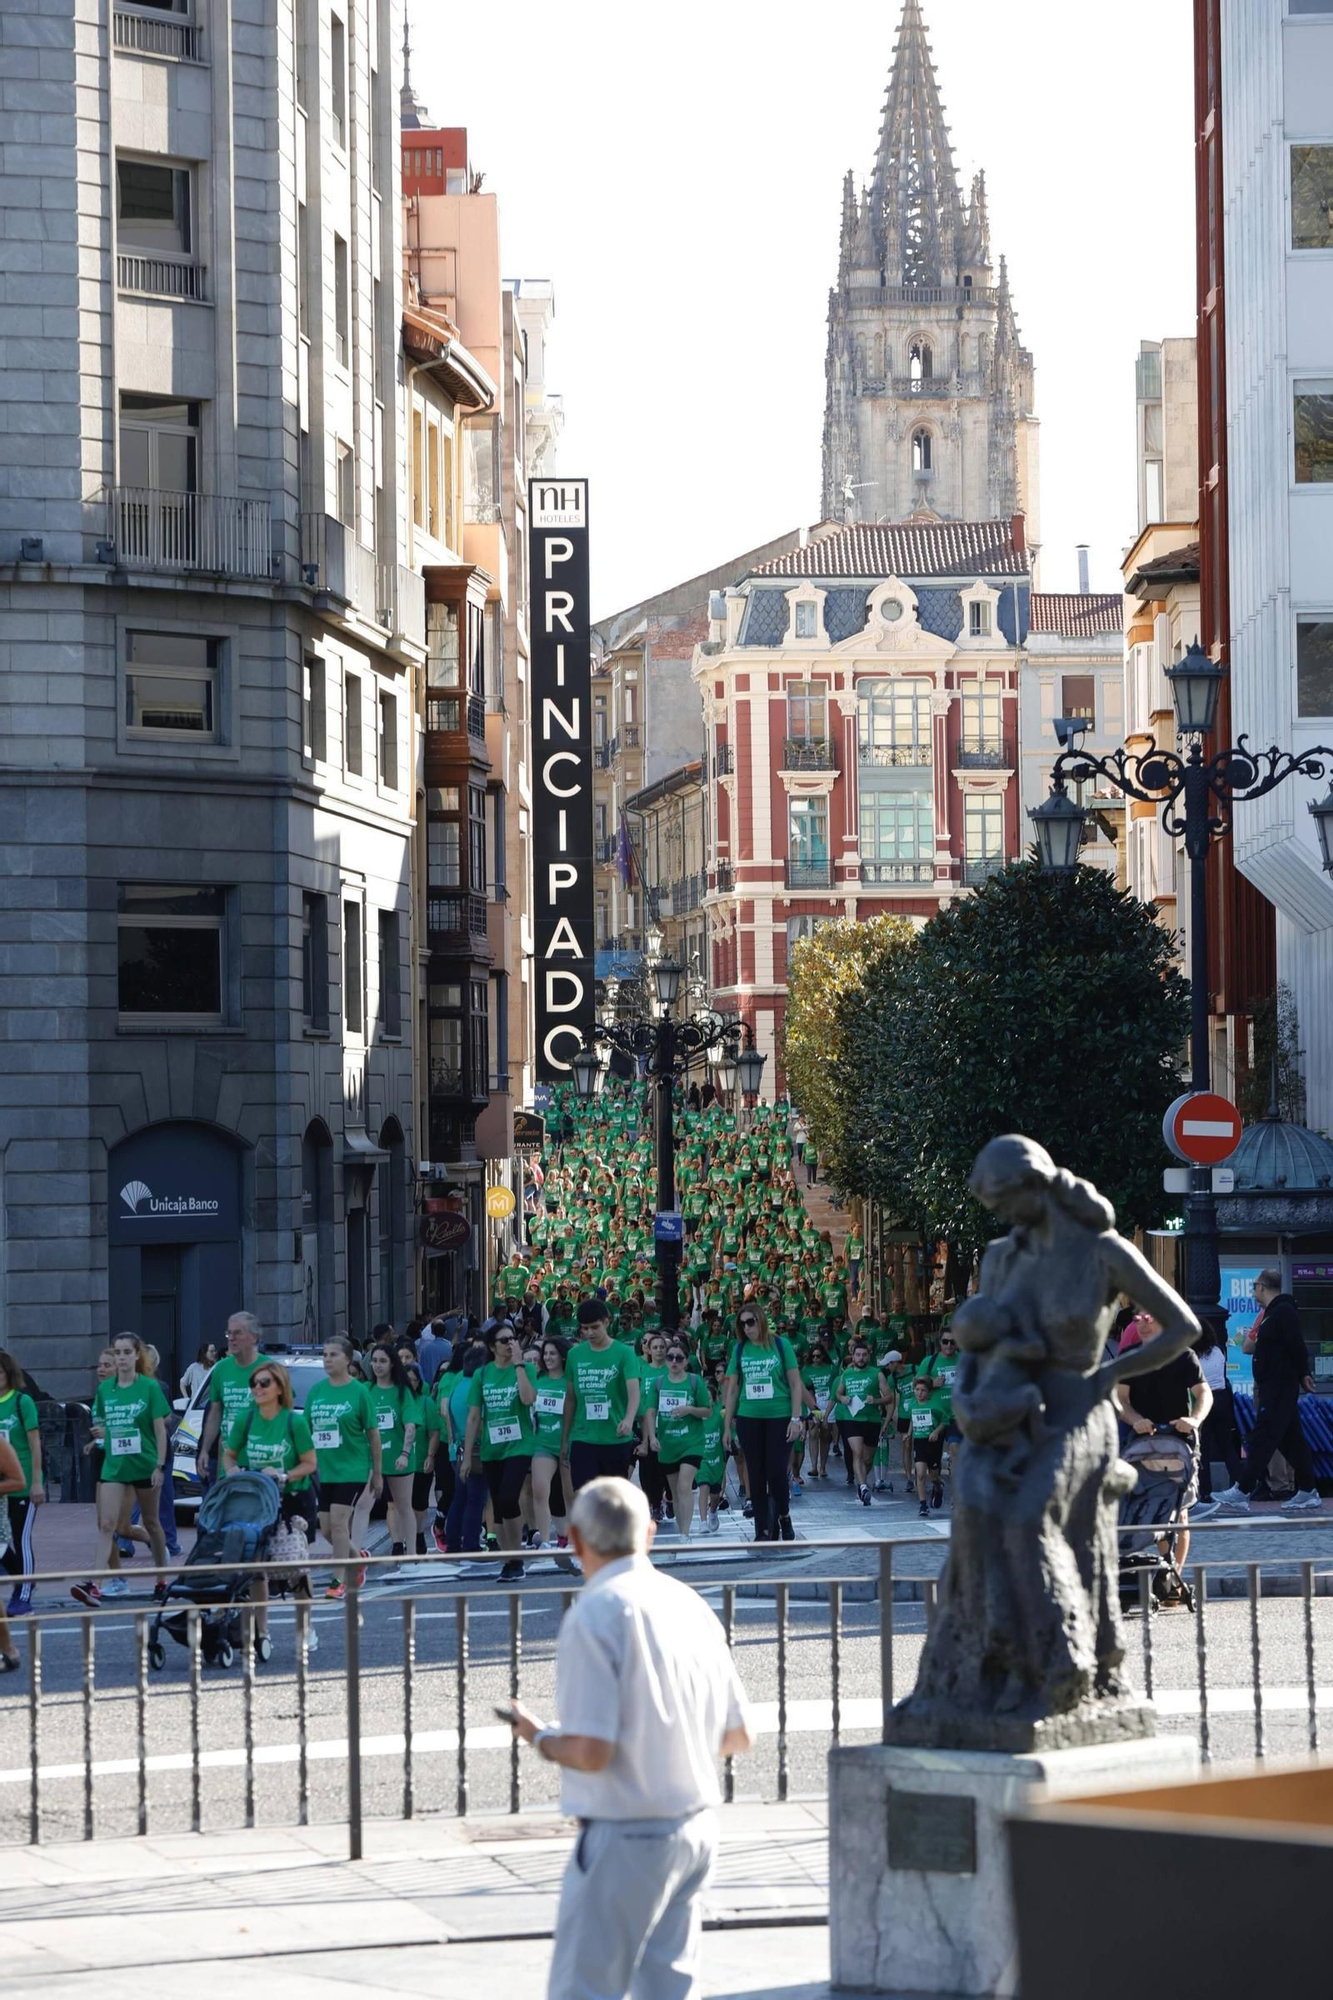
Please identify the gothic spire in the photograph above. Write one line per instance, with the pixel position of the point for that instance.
(415, 117)
(848, 225)
(915, 185)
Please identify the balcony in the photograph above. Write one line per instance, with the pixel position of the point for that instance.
(724, 878)
(984, 753)
(456, 913)
(335, 561)
(450, 714)
(604, 849)
(886, 756)
(161, 277)
(808, 753)
(898, 871)
(409, 620)
(601, 755)
(146, 35)
(816, 873)
(630, 736)
(975, 872)
(686, 894)
(178, 532)
(724, 763)
(613, 750)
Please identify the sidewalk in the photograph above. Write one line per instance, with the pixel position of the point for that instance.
(435, 1903)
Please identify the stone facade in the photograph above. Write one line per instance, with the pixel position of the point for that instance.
(207, 639)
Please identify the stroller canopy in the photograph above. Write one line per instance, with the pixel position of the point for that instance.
(250, 1498)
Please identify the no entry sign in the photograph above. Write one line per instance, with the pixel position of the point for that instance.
(1202, 1127)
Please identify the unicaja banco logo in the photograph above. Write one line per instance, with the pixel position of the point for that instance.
(143, 1203)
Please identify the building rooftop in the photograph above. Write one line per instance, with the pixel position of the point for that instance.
(1177, 566)
(910, 549)
(1076, 614)
(1275, 1154)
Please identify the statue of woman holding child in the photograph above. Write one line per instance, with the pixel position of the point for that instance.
(1027, 1647)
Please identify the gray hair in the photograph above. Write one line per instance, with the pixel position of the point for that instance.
(248, 1321)
(612, 1517)
(1270, 1279)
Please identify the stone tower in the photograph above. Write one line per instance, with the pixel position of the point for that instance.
(929, 392)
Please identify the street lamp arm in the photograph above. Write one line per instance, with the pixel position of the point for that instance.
(1243, 773)
(1152, 775)
(669, 1047)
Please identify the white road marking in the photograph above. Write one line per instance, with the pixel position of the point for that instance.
(804, 1718)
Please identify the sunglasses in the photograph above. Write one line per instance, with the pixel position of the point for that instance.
(262, 1382)
(675, 1354)
(748, 1321)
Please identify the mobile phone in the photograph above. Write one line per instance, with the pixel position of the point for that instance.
(505, 1714)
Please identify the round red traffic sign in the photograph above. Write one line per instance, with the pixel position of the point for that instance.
(1202, 1127)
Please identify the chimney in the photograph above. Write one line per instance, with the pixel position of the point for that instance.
(1018, 534)
(1083, 585)
(805, 538)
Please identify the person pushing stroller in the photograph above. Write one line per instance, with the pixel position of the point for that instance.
(1175, 1398)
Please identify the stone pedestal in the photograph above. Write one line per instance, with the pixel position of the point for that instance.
(919, 1895)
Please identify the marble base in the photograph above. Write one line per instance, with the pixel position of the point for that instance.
(920, 1904)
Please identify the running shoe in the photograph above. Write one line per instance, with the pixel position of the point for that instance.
(924, 1511)
(115, 1586)
(937, 1495)
(1310, 1502)
(335, 1593)
(748, 1510)
(9, 1663)
(1204, 1509)
(512, 1572)
(714, 1524)
(20, 1604)
(1234, 1497)
(786, 1532)
(796, 1486)
(160, 1593)
(361, 1573)
(863, 1495)
(440, 1543)
(86, 1593)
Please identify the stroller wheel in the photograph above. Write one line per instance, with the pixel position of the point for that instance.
(263, 1648)
(225, 1653)
(157, 1656)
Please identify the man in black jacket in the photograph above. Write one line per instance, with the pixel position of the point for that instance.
(1281, 1371)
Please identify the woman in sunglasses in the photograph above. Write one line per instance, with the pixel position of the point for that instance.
(678, 1404)
(764, 1396)
(273, 1438)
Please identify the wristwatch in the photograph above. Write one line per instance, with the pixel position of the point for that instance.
(543, 1735)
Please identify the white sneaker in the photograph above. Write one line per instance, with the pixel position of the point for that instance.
(1234, 1497)
(1310, 1502)
(115, 1586)
(714, 1524)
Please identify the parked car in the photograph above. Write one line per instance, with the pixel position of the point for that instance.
(305, 1365)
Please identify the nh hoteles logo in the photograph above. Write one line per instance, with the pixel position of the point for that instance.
(141, 1202)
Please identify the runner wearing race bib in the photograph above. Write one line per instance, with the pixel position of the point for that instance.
(926, 1427)
(348, 1454)
(819, 1375)
(679, 1404)
(130, 1422)
(763, 1403)
(603, 1400)
(395, 1420)
(499, 1415)
(859, 1403)
(548, 1415)
(273, 1438)
(20, 1429)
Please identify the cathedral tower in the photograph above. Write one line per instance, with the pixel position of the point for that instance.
(928, 390)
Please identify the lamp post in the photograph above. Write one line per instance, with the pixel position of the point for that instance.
(667, 1047)
(1198, 797)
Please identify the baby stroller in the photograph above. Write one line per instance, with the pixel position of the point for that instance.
(237, 1520)
(1166, 1470)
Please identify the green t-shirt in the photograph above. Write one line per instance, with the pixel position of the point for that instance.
(923, 1418)
(229, 1384)
(678, 1436)
(506, 1425)
(259, 1442)
(426, 1416)
(18, 1416)
(834, 1294)
(856, 1388)
(341, 1417)
(601, 1396)
(763, 1377)
(394, 1410)
(548, 1412)
(855, 1247)
(514, 1280)
(712, 1471)
(127, 1416)
(819, 1381)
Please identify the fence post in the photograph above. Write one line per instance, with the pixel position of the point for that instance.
(353, 1651)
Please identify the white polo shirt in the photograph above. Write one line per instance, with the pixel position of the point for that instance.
(642, 1663)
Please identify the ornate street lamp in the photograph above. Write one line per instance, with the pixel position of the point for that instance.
(589, 1067)
(668, 975)
(724, 1062)
(1198, 798)
(750, 1068)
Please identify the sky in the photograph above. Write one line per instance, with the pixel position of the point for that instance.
(677, 174)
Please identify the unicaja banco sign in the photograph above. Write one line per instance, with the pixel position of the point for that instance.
(562, 859)
(142, 1203)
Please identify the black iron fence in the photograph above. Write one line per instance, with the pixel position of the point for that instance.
(383, 1704)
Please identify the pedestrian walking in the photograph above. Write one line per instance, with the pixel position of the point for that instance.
(467, 1509)
(548, 1416)
(395, 1419)
(130, 1417)
(648, 1699)
(1219, 1438)
(764, 1397)
(229, 1387)
(20, 1430)
(273, 1438)
(348, 1457)
(199, 1369)
(1281, 1372)
(1174, 1397)
(499, 1417)
(601, 1401)
(11, 1479)
(678, 1408)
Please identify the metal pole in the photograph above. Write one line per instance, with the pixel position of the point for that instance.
(668, 1254)
(1203, 1275)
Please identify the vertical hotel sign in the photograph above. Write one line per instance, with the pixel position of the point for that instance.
(561, 642)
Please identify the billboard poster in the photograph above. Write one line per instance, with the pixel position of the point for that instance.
(561, 722)
(1241, 1308)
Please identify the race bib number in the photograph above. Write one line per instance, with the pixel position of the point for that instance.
(551, 1405)
(329, 1439)
(386, 1420)
(597, 1413)
(759, 1392)
(668, 1404)
(126, 1447)
(507, 1433)
(821, 1399)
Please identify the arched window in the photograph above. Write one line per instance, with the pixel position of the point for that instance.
(921, 451)
(919, 361)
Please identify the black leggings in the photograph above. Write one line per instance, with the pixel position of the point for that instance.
(763, 1441)
(18, 1558)
(1218, 1440)
(652, 1479)
(505, 1479)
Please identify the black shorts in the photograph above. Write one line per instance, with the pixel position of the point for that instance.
(340, 1492)
(421, 1485)
(904, 1426)
(867, 1433)
(928, 1452)
(598, 1461)
(675, 1464)
(505, 1479)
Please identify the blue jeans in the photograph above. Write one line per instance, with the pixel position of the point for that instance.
(462, 1527)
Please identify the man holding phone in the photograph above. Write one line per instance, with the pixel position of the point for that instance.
(648, 1698)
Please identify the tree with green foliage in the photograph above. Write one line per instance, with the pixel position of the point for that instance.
(1040, 1004)
(822, 969)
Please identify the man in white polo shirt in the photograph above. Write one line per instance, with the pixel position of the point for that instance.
(648, 1699)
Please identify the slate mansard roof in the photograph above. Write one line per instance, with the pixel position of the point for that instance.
(909, 549)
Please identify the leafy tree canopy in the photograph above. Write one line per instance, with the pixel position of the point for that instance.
(822, 969)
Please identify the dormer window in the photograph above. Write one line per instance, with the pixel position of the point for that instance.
(978, 621)
(807, 620)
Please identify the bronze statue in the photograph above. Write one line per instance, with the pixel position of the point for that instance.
(1027, 1647)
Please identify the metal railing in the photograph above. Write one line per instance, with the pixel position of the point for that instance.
(601, 755)
(173, 532)
(630, 734)
(388, 1711)
(985, 753)
(724, 878)
(158, 277)
(808, 753)
(882, 756)
(158, 35)
(410, 605)
(605, 848)
(977, 871)
(815, 874)
(724, 761)
(458, 914)
(897, 871)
